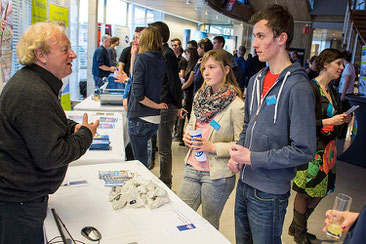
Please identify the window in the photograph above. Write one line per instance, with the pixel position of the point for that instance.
(101, 4)
(139, 16)
(116, 12)
(221, 29)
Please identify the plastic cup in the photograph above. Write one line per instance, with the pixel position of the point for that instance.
(200, 156)
(342, 203)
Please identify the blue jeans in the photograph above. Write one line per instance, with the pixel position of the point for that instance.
(140, 131)
(22, 222)
(197, 188)
(259, 215)
(168, 118)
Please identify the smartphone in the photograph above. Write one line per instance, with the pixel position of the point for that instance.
(353, 108)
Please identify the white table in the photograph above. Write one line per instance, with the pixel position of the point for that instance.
(117, 152)
(88, 205)
(89, 104)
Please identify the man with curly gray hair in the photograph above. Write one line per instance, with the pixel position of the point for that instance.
(37, 141)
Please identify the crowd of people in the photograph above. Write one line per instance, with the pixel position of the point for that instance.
(284, 135)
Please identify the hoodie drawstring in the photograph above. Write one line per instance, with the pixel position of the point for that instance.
(279, 95)
(257, 89)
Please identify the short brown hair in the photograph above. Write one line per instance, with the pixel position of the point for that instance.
(205, 44)
(139, 29)
(279, 19)
(176, 40)
(114, 39)
(327, 56)
(163, 29)
(220, 39)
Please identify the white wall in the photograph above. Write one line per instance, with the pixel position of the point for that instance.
(177, 26)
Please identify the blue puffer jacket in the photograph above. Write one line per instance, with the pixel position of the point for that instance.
(148, 75)
(279, 130)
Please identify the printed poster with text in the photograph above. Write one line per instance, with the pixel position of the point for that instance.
(39, 11)
(362, 79)
(6, 35)
(58, 13)
(61, 14)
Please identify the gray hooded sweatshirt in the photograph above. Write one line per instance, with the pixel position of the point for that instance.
(279, 129)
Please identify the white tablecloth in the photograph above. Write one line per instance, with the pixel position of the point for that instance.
(88, 205)
(117, 152)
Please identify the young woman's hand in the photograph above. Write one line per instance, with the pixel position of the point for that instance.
(162, 106)
(187, 140)
(203, 145)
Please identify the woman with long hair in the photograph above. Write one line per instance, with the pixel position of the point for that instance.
(316, 179)
(143, 110)
(187, 87)
(218, 111)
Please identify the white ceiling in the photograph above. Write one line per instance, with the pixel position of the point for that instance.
(194, 10)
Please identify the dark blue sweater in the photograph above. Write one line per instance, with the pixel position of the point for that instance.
(148, 75)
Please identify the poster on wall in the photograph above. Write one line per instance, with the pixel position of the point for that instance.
(61, 14)
(39, 11)
(6, 36)
(58, 13)
(123, 33)
(362, 79)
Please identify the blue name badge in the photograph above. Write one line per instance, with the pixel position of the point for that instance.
(215, 125)
(186, 227)
(271, 100)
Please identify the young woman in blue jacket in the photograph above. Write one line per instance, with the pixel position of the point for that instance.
(143, 110)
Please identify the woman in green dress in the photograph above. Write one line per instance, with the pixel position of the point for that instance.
(316, 179)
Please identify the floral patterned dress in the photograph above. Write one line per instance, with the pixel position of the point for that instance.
(318, 177)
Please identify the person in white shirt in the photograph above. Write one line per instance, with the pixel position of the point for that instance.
(348, 77)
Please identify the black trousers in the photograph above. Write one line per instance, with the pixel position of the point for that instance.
(22, 223)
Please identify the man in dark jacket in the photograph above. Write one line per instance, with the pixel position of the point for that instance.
(275, 138)
(37, 141)
(101, 62)
(171, 94)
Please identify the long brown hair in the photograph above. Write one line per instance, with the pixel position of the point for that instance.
(150, 40)
(193, 58)
(223, 59)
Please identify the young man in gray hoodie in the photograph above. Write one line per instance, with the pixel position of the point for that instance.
(278, 132)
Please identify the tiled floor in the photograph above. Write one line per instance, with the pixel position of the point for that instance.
(350, 180)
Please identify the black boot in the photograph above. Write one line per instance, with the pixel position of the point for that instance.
(308, 212)
(299, 222)
(291, 229)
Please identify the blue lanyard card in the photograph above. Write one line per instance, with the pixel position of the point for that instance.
(271, 100)
(215, 125)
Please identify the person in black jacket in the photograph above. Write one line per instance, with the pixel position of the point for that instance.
(37, 141)
(171, 94)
